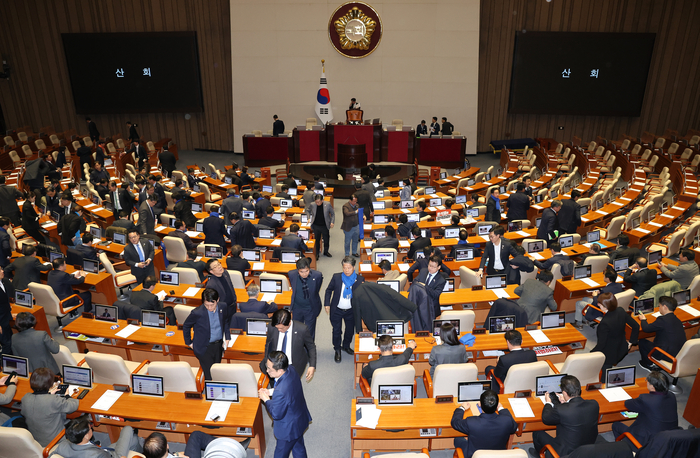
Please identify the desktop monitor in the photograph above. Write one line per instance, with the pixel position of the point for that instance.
(96, 232)
(643, 306)
(593, 236)
(443, 175)
(393, 328)
(106, 313)
(449, 285)
(55, 216)
(199, 227)
(566, 241)
(304, 234)
(270, 286)
(651, 214)
(379, 256)
(24, 299)
(257, 174)
(266, 234)
(379, 205)
(228, 180)
(682, 297)
(395, 395)
(196, 207)
(435, 202)
(147, 385)
(289, 257)
(257, 326)
(514, 226)
(286, 203)
(380, 219)
(221, 391)
(413, 217)
(620, 376)
(153, 319)
(582, 272)
(470, 182)
(484, 229)
(501, 324)
(15, 364)
(654, 257)
(75, 375)
(251, 255)
(438, 323)
(427, 233)
(393, 284)
(53, 255)
(292, 191)
(452, 233)
(266, 188)
(535, 247)
(495, 281)
(407, 204)
(429, 190)
(548, 384)
(379, 194)
(584, 209)
(599, 204)
(502, 190)
(91, 266)
(215, 252)
(539, 198)
(464, 254)
(248, 214)
(118, 237)
(552, 320)
(620, 265)
(461, 199)
(168, 277)
(473, 212)
(471, 391)
(635, 222)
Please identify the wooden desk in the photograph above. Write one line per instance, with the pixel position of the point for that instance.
(38, 311)
(178, 292)
(478, 301)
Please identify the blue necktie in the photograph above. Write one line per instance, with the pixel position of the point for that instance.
(138, 248)
(284, 342)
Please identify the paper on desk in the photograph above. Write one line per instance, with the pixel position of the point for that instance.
(160, 228)
(618, 279)
(619, 204)
(434, 196)
(521, 408)
(404, 243)
(276, 242)
(677, 208)
(192, 291)
(625, 198)
(493, 353)
(367, 345)
(193, 233)
(536, 256)
(403, 267)
(539, 336)
(370, 416)
(107, 400)
(432, 209)
(269, 297)
(89, 206)
(523, 233)
(365, 267)
(485, 237)
(127, 331)
(501, 293)
(161, 295)
(666, 216)
(98, 209)
(642, 230)
(590, 282)
(258, 266)
(651, 223)
(689, 309)
(367, 227)
(585, 220)
(48, 225)
(232, 341)
(615, 394)
(656, 314)
(218, 408)
(405, 211)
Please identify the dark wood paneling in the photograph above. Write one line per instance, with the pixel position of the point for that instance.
(38, 93)
(671, 99)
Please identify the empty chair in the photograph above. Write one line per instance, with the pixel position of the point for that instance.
(598, 263)
(19, 442)
(556, 275)
(208, 196)
(64, 356)
(178, 376)
(45, 296)
(446, 378)
(188, 275)
(399, 375)
(576, 237)
(239, 282)
(165, 219)
(112, 369)
(522, 377)
(673, 245)
(625, 298)
(249, 382)
(468, 278)
(175, 249)
(683, 365)
(466, 318)
(584, 366)
(121, 279)
(614, 228)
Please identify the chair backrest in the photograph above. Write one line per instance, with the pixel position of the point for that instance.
(479, 176)
(674, 243)
(526, 243)
(659, 142)
(269, 276)
(597, 263)
(523, 376)
(108, 264)
(615, 227)
(64, 356)
(239, 282)
(175, 249)
(108, 369)
(556, 275)
(447, 376)
(44, 295)
(242, 374)
(688, 359)
(484, 223)
(169, 200)
(577, 237)
(182, 312)
(686, 154)
(177, 375)
(512, 453)
(524, 276)
(403, 279)
(310, 122)
(625, 298)
(399, 375)
(653, 161)
(584, 366)
(466, 318)
(695, 286)
(468, 278)
(19, 442)
(188, 275)
(591, 147)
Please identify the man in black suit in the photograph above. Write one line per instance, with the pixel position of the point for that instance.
(159, 191)
(488, 431)
(141, 153)
(146, 300)
(418, 243)
(92, 129)
(53, 200)
(102, 188)
(241, 231)
(85, 155)
(497, 253)
(387, 357)
(139, 256)
(447, 127)
(657, 411)
(422, 263)
(100, 155)
(61, 283)
(5, 249)
(294, 339)
(515, 355)
(269, 221)
(576, 419)
(214, 228)
(220, 280)
(86, 249)
(121, 199)
(294, 241)
(550, 222)
(364, 200)
(236, 261)
(133, 135)
(505, 307)
(7, 293)
(124, 221)
(389, 240)
(277, 127)
(306, 294)
(261, 205)
(404, 228)
(518, 264)
(640, 276)
(180, 232)
(71, 225)
(147, 215)
(623, 250)
(98, 174)
(670, 335)
(570, 214)
(211, 331)
(253, 305)
(421, 129)
(26, 269)
(528, 188)
(8, 202)
(434, 282)
(434, 127)
(283, 192)
(191, 178)
(558, 257)
(192, 263)
(518, 203)
(167, 161)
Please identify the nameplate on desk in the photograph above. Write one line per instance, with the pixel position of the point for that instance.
(366, 334)
(236, 331)
(477, 287)
(422, 333)
(479, 331)
(594, 386)
(531, 327)
(133, 321)
(88, 315)
(121, 388)
(567, 278)
(193, 395)
(523, 394)
(444, 399)
(201, 285)
(364, 400)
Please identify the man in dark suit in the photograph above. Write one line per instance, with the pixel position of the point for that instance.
(277, 127)
(576, 419)
(7, 293)
(338, 306)
(167, 161)
(53, 200)
(488, 431)
(241, 231)
(387, 358)
(180, 232)
(192, 263)
(191, 178)
(434, 282)
(670, 336)
(100, 155)
(5, 249)
(515, 355)
(434, 127)
(214, 229)
(404, 228)
(220, 280)
(528, 188)
(141, 153)
(421, 129)
(640, 276)
(236, 261)
(389, 240)
(121, 199)
(657, 410)
(283, 194)
(293, 240)
(364, 200)
(558, 257)
(493, 206)
(290, 181)
(124, 221)
(418, 243)
(322, 220)
(570, 214)
(422, 263)
(61, 283)
(86, 249)
(505, 307)
(211, 331)
(71, 225)
(294, 339)
(549, 222)
(306, 297)
(518, 203)
(518, 264)
(159, 191)
(98, 174)
(253, 305)
(133, 135)
(85, 155)
(26, 269)
(139, 256)
(287, 408)
(623, 250)
(147, 215)
(8, 202)
(269, 221)
(261, 205)
(497, 253)
(146, 300)
(92, 130)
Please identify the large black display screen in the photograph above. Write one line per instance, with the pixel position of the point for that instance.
(134, 72)
(575, 73)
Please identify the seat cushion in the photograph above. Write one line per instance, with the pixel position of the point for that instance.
(125, 280)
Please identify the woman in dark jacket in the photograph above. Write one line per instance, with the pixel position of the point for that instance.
(451, 351)
(611, 331)
(30, 218)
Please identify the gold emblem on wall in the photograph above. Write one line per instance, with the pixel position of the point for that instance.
(355, 29)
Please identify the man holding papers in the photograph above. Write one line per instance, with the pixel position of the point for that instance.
(211, 331)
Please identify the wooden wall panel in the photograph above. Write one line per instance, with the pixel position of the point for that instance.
(673, 85)
(38, 93)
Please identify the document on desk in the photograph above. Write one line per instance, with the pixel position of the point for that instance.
(269, 297)
(642, 230)
(192, 291)
(161, 295)
(276, 242)
(403, 267)
(493, 353)
(523, 233)
(539, 336)
(690, 310)
(615, 394)
(590, 282)
(651, 223)
(368, 416)
(127, 331)
(160, 228)
(193, 233)
(485, 237)
(405, 211)
(678, 208)
(656, 314)
(365, 267)
(258, 266)
(218, 408)
(404, 243)
(536, 256)
(232, 341)
(367, 345)
(501, 293)
(367, 227)
(536, 207)
(107, 400)
(520, 407)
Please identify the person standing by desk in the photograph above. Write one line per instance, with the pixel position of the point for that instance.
(496, 254)
(351, 225)
(549, 225)
(220, 281)
(139, 256)
(447, 127)
(518, 203)
(306, 297)
(338, 305)
(211, 331)
(421, 129)
(277, 126)
(434, 127)
(322, 219)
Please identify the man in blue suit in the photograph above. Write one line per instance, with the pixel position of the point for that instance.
(288, 409)
(306, 297)
(211, 331)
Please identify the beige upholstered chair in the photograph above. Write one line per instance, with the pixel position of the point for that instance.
(556, 274)
(584, 366)
(65, 357)
(523, 377)
(524, 276)
(398, 123)
(121, 279)
(112, 369)
(310, 122)
(239, 282)
(399, 375)
(512, 453)
(188, 275)
(182, 312)
(625, 298)
(447, 376)
(484, 223)
(178, 376)
(695, 286)
(249, 382)
(175, 249)
(45, 296)
(614, 228)
(19, 442)
(403, 279)
(423, 454)
(269, 276)
(169, 201)
(598, 263)
(468, 278)
(673, 245)
(466, 318)
(208, 196)
(683, 365)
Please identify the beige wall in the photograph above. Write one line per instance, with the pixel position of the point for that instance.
(426, 65)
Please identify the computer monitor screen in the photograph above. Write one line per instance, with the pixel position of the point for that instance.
(270, 286)
(443, 175)
(495, 281)
(413, 217)
(484, 229)
(514, 226)
(643, 305)
(292, 191)
(582, 272)
(286, 203)
(391, 328)
(380, 256)
(153, 319)
(500, 324)
(584, 209)
(75, 375)
(567, 241)
(395, 395)
(257, 326)
(393, 284)
(168, 277)
(266, 188)
(682, 297)
(548, 384)
(452, 233)
(15, 364)
(266, 233)
(380, 219)
(620, 376)
(436, 202)
(24, 299)
(147, 385)
(221, 391)
(537, 222)
(196, 188)
(425, 233)
(96, 232)
(429, 190)
(290, 257)
(55, 216)
(251, 255)
(199, 227)
(464, 254)
(473, 212)
(552, 320)
(437, 325)
(471, 391)
(319, 191)
(407, 204)
(535, 247)
(620, 265)
(118, 237)
(539, 198)
(380, 194)
(449, 285)
(91, 266)
(106, 313)
(53, 255)
(461, 199)
(215, 252)
(304, 234)
(379, 205)
(470, 182)
(635, 223)
(228, 180)
(654, 257)
(257, 174)
(593, 236)
(248, 214)
(279, 216)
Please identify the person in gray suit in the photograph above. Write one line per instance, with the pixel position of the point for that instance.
(147, 215)
(451, 351)
(34, 345)
(78, 434)
(686, 270)
(45, 413)
(8, 395)
(536, 295)
(321, 222)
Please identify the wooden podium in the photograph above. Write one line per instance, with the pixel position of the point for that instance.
(351, 156)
